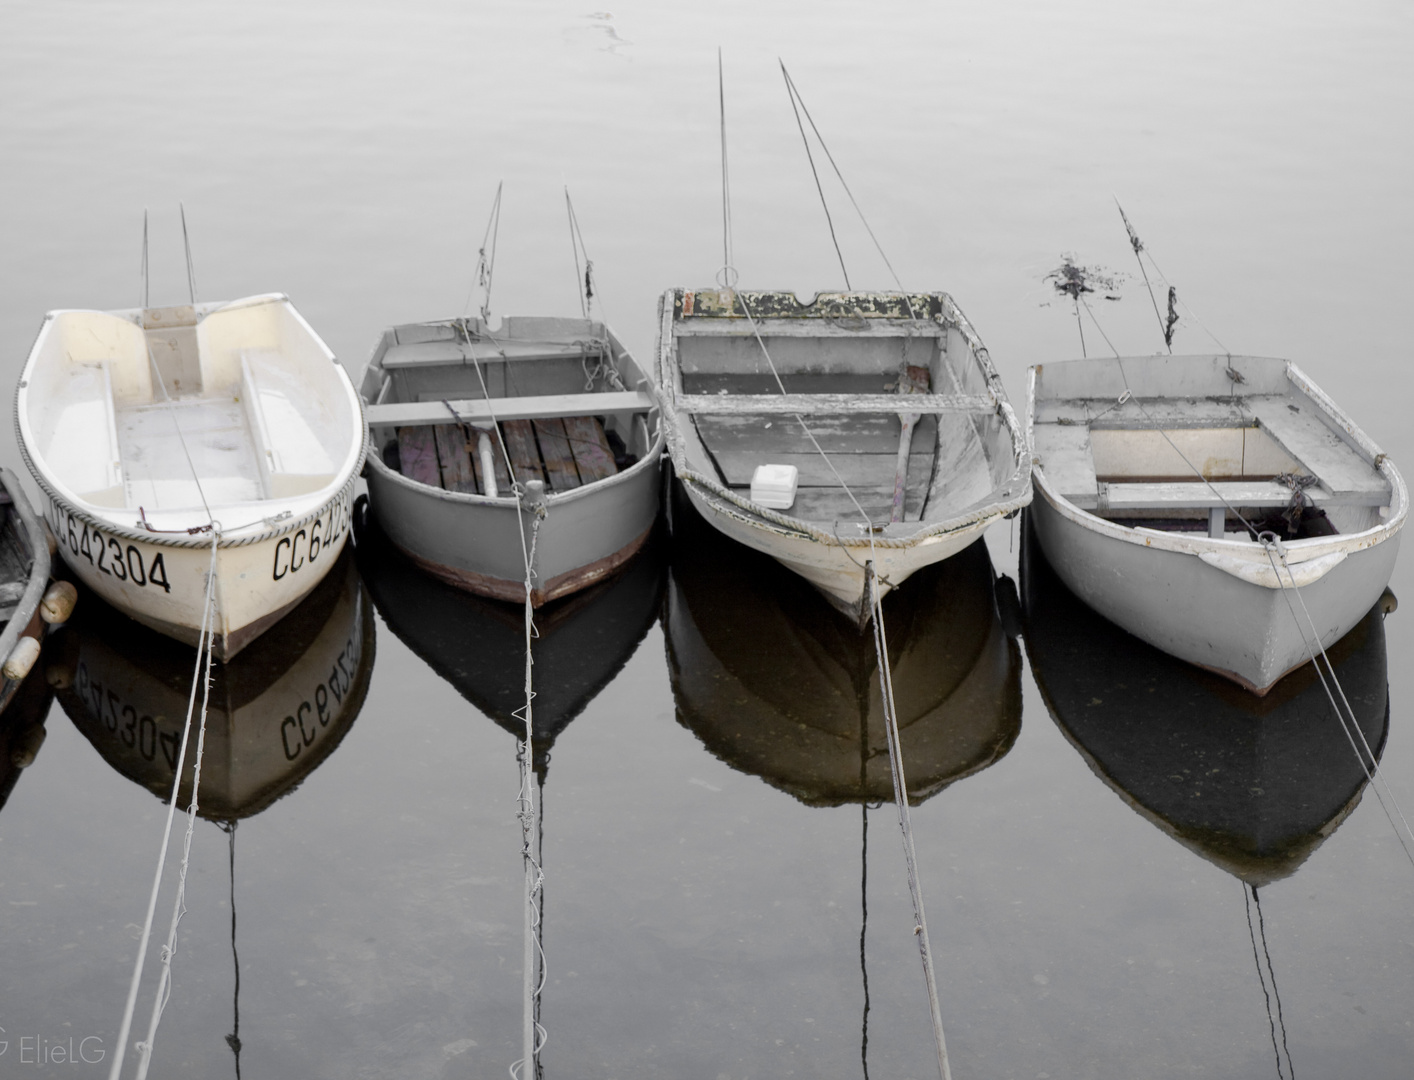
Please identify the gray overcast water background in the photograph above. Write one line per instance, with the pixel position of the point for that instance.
(699, 921)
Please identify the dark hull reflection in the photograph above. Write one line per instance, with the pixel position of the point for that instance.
(22, 731)
(1254, 785)
(478, 645)
(277, 711)
(777, 683)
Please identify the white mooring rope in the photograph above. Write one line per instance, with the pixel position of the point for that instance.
(201, 673)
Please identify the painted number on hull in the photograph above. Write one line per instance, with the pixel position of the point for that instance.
(293, 553)
(302, 728)
(121, 721)
(107, 554)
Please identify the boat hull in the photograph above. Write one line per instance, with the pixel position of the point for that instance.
(834, 569)
(475, 543)
(1192, 609)
(161, 581)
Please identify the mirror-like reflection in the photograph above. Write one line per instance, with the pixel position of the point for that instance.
(478, 645)
(276, 711)
(1253, 785)
(22, 730)
(777, 684)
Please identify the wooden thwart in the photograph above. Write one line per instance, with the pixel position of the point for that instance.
(473, 410)
(777, 404)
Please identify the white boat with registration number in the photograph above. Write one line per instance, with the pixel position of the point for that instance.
(153, 431)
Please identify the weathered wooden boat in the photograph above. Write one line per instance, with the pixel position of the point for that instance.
(1253, 785)
(891, 394)
(450, 403)
(1143, 539)
(778, 684)
(29, 604)
(148, 429)
(22, 731)
(478, 645)
(276, 712)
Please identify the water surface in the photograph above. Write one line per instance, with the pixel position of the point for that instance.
(705, 897)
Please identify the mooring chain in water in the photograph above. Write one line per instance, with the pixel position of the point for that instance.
(201, 674)
(915, 887)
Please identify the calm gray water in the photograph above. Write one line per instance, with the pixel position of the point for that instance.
(703, 918)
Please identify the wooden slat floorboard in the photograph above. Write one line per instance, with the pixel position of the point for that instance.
(556, 453)
(417, 450)
(590, 447)
(455, 461)
(525, 455)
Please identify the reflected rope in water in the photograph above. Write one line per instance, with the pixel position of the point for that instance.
(1267, 975)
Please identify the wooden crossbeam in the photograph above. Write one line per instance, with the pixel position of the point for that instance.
(419, 413)
(775, 404)
(1129, 498)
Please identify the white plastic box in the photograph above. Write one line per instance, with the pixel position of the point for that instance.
(773, 486)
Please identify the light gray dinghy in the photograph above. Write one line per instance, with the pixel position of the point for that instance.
(895, 388)
(567, 404)
(1135, 533)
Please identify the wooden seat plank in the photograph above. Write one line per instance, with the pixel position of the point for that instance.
(1295, 424)
(417, 450)
(455, 352)
(525, 455)
(473, 410)
(454, 459)
(1130, 498)
(809, 404)
(555, 451)
(837, 433)
(590, 447)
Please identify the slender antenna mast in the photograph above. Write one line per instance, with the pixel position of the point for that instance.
(186, 243)
(727, 278)
(586, 294)
(1138, 246)
(144, 258)
(486, 264)
(790, 92)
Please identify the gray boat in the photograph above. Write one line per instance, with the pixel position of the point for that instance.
(1186, 497)
(450, 404)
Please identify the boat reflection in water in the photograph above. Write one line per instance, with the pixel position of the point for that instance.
(1253, 785)
(777, 683)
(478, 645)
(22, 731)
(276, 711)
